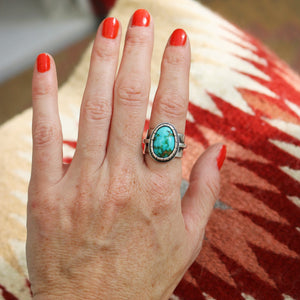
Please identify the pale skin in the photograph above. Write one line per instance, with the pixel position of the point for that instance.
(112, 224)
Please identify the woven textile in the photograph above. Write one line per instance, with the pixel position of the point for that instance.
(241, 95)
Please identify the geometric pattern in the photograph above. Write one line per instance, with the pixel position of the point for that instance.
(241, 95)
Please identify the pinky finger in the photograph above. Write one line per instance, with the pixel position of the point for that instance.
(46, 128)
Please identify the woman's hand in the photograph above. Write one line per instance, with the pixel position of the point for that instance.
(112, 225)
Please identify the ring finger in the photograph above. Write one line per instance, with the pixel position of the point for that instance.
(172, 96)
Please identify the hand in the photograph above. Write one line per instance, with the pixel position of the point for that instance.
(112, 225)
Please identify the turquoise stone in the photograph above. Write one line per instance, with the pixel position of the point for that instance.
(163, 142)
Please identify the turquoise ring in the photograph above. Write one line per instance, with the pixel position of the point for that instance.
(164, 143)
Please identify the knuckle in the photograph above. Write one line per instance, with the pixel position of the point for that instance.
(139, 39)
(212, 187)
(41, 204)
(121, 186)
(130, 92)
(45, 133)
(172, 106)
(39, 90)
(84, 193)
(96, 110)
(38, 206)
(173, 59)
(120, 195)
(104, 53)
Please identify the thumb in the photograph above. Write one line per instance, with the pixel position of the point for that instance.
(200, 197)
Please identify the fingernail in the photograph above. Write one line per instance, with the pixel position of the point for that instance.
(221, 157)
(43, 63)
(178, 38)
(141, 17)
(110, 28)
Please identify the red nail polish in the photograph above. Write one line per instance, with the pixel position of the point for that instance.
(178, 38)
(43, 63)
(221, 157)
(141, 17)
(110, 28)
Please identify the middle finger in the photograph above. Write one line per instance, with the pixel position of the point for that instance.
(131, 90)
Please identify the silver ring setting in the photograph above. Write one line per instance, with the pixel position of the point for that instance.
(164, 143)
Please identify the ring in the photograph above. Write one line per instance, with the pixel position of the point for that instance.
(164, 142)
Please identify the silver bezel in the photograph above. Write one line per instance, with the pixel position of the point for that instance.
(151, 141)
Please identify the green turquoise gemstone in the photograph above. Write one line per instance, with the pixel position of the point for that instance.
(163, 142)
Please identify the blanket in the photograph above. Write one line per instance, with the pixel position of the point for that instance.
(242, 95)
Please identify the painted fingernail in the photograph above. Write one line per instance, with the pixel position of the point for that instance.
(221, 157)
(110, 28)
(141, 17)
(178, 38)
(43, 63)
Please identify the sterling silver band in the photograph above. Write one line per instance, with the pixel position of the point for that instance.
(179, 144)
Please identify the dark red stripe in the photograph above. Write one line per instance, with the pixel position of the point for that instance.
(6, 294)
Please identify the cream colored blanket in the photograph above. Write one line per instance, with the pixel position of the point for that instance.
(241, 95)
